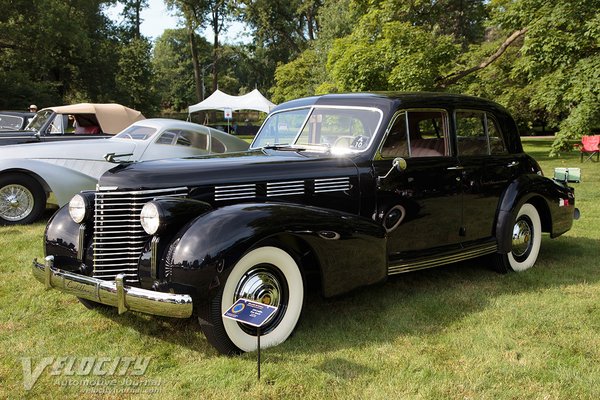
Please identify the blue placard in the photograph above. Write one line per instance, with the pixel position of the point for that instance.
(250, 312)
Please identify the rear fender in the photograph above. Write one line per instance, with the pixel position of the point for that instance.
(554, 201)
(350, 250)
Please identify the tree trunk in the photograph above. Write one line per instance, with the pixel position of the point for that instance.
(195, 63)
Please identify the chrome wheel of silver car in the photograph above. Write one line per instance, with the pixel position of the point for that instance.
(16, 202)
(22, 199)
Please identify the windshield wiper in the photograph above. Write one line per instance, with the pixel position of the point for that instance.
(285, 147)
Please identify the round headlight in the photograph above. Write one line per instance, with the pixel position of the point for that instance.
(150, 218)
(78, 208)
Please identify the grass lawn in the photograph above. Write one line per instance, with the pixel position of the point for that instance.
(459, 331)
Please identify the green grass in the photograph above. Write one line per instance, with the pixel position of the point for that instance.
(459, 331)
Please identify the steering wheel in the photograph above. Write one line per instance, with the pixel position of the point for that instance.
(360, 142)
(340, 139)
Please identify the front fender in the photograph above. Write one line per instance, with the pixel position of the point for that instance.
(554, 201)
(351, 250)
(63, 177)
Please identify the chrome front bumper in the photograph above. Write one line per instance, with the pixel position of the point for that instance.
(113, 293)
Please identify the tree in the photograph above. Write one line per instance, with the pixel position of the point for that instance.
(135, 78)
(389, 55)
(132, 10)
(174, 68)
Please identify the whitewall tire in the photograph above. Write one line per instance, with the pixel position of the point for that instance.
(266, 275)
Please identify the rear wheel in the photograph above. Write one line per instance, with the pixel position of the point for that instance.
(22, 199)
(526, 241)
(267, 275)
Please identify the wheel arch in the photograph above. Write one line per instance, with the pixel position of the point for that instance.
(534, 189)
(344, 251)
(30, 173)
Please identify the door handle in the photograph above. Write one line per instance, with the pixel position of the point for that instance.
(457, 168)
(513, 164)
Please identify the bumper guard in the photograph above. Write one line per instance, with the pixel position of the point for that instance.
(113, 293)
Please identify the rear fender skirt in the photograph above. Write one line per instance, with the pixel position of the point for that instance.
(351, 250)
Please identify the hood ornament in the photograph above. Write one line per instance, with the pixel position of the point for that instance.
(113, 158)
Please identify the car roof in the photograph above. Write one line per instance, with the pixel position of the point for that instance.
(112, 117)
(386, 100)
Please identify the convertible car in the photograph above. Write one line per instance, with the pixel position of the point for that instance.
(73, 122)
(30, 173)
(341, 191)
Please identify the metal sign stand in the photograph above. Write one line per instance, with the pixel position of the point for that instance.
(254, 314)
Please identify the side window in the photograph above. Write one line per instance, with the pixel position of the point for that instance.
(396, 144)
(477, 134)
(496, 142)
(180, 137)
(427, 135)
(216, 145)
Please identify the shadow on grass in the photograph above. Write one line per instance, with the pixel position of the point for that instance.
(417, 303)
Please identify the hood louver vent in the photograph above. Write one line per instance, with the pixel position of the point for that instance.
(235, 192)
(332, 185)
(288, 188)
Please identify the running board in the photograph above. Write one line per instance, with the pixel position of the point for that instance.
(431, 262)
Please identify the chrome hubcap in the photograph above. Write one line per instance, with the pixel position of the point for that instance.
(16, 202)
(521, 238)
(261, 286)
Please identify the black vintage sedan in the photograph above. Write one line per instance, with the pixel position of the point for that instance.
(345, 190)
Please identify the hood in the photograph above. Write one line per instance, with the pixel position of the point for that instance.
(88, 149)
(233, 168)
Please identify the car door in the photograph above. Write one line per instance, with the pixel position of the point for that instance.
(420, 206)
(488, 168)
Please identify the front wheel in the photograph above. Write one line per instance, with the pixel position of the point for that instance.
(267, 275)
(526, 241)
(22, 199)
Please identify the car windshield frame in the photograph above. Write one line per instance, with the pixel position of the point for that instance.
(35, 124)
(310, 111)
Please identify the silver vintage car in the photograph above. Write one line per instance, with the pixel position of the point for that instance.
(34, 175)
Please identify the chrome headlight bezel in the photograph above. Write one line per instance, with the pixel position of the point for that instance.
(80, 208)
(151, 217)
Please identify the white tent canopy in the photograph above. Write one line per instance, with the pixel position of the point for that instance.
(220, 101)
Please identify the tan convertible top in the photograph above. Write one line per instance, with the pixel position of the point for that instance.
(113, 118)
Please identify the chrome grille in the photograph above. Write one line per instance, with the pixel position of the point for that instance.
(288, 188)
(332, 184)
(118, 234)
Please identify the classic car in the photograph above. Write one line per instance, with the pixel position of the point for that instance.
(340, 190)
(73, 122)
(14, 120)
(30, 173)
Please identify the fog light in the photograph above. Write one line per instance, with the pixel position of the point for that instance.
(150, 218)
(78, 208)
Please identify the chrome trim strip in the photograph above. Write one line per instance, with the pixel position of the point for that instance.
(137, 192)
(443, 260)
(154, 257)
(80, 242)
(113, 293)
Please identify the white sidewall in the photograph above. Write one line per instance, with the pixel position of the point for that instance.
(291, 272)
(531, 212)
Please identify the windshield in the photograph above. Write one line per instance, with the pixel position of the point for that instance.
(137, 132)
(39, 120)
(338, 129)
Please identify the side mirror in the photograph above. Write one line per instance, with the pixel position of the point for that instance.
(399, 164)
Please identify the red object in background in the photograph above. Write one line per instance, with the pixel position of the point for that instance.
(589, 147)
